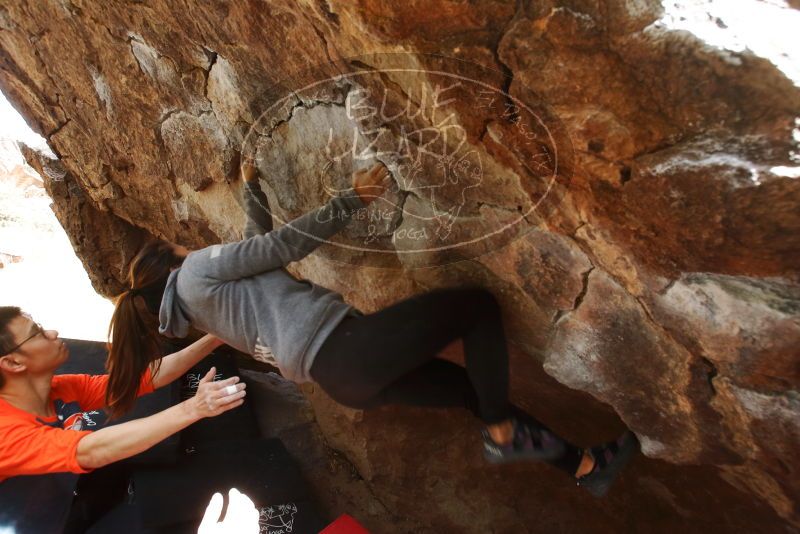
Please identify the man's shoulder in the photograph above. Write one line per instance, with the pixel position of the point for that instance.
(71, 379)
(11, 416)
(76, 386)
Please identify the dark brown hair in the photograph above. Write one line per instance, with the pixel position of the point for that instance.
(133, 332)
(7, 314)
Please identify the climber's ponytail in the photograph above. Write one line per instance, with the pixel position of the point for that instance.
(133, 336)
(132, 347)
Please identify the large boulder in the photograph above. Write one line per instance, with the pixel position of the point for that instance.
(615, 184)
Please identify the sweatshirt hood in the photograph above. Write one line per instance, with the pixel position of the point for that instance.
(172, 318)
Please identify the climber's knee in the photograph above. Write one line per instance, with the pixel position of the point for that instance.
(482, 301)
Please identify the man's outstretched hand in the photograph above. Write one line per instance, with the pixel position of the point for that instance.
(371, 183)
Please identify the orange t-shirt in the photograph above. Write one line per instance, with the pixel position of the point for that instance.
(33, 445)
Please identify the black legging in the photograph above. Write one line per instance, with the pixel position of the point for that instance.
(389, 357)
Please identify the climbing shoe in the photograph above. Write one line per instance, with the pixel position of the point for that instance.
(530, 442)
(609, 460)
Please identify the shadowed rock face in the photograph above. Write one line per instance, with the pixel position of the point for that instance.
(608, 179)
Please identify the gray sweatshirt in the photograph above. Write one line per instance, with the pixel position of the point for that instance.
(241, 292)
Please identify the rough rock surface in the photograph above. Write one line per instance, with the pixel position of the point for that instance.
(620, 177)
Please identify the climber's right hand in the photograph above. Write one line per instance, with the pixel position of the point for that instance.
(371, 183)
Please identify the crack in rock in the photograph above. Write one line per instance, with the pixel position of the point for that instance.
(329, 13)
(578, 298)
(508, 74)
(711, 373)
(57, 130)
(212, 60)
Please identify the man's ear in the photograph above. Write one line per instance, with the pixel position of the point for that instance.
(11, 364)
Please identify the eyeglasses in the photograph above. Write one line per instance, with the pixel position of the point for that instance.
(39, 330)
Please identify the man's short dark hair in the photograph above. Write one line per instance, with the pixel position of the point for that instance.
(7, 314)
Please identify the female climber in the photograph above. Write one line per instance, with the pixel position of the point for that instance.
(242, 293)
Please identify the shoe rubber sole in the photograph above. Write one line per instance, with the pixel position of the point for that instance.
(599, 483)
